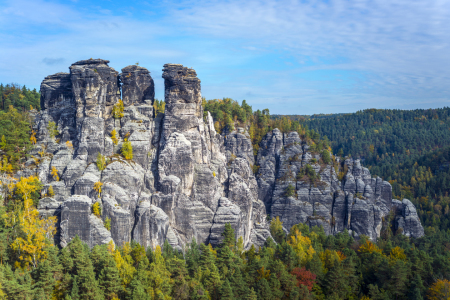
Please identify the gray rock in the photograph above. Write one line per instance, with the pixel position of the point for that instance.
(151, 226)
(76, 219)
(409, 221)
(137, 85)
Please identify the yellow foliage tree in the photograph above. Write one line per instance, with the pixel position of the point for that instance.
(50, 192)
(117, 110)
(54, 173)
(96, 210)
(69, 145)
(111, 247)
(98, 187)
(159, 277)
(397, 253)
(5, 166)
(369, 247)
(328, 257)
(262, 273)
(36, 233)
(302, 246)
(114, 137)
(33, 137)
(124, 264)
(440, 290)
(127, 150)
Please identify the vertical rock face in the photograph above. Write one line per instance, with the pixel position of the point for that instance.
(185, 180)
(137, 86)
(58, 105)
(357, 203)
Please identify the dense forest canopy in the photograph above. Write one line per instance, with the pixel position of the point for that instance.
(301, 264)
(21, 98)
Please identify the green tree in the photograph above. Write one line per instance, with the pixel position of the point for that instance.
(276, 230)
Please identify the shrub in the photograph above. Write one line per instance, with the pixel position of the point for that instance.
(50, 192)
(55, 174)
(108, 223)
(96, 210)
(98, 187)
(114, 137)
(52, 130)
(127, 150)
(326, 157)
(101, 162)
(117, 111)
(290, 191)
(32, 137)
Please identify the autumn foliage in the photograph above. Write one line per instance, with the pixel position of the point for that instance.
(304, 277)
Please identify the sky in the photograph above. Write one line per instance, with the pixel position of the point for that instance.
(293, 57)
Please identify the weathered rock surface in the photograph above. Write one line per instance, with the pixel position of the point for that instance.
(185, 180)
(181, 167)
(358, 203)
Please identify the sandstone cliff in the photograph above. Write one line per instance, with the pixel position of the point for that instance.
(185, 180)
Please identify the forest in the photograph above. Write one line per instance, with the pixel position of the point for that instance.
(301, 264)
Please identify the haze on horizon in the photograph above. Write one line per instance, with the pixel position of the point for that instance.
(293, 57)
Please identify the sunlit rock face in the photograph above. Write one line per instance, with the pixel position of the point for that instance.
(180, 184)
(185, 180)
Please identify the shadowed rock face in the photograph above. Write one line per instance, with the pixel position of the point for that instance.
(185, 180)
(137, 85)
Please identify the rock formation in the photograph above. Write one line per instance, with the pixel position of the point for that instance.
(185, 180)
(358, 203)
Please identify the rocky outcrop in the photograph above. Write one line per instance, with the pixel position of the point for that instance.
(185, 180)
(356, 203)
(406, 219)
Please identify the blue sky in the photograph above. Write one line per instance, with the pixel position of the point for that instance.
(293, 57)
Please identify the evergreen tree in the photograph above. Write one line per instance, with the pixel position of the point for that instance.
(192, 257)
(109, 280)
(263, 290)
(229, 238)
(225, 291)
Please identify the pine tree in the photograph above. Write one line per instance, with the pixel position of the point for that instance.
(225, 291)
(137, 291)
(44, 279)
(251, 295)
(334, 283)
(192, 257)
(229, 239)
(75, 293)
(211, 281)
(263, 290)
(109, 280)
(416, 288)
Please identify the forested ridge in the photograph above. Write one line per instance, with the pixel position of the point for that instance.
(301, 264)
